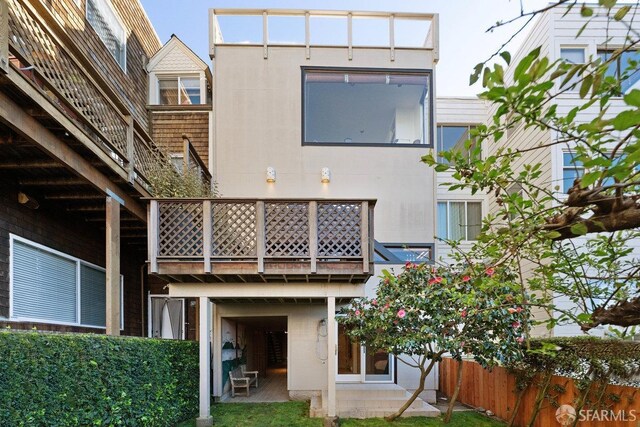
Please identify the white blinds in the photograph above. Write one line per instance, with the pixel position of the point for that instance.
(44, 285)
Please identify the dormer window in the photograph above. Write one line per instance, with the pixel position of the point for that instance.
(179, 90)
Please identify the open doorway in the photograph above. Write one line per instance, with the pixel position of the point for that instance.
(260, 344)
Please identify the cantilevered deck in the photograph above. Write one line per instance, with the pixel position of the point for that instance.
(261, 240)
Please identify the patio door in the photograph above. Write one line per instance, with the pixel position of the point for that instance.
(359, 363)
(166, 317)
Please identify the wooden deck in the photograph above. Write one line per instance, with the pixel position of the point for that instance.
(273, 388)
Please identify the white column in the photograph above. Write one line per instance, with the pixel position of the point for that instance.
(331, 356)
(112, 210)
(204, 419)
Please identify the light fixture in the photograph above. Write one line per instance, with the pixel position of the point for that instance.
(271, 174)
(28, 201)
(325, 175)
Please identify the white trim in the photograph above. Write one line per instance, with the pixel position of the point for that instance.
(79, 262)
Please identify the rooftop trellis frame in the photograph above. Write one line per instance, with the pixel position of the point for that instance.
(252, 240)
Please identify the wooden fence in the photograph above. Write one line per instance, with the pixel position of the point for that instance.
(496, 391)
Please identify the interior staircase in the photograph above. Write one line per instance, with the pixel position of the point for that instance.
(371, 401)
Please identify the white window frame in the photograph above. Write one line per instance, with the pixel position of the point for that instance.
(466, 217)
(79, 262)
(178, 76)
(108, 4)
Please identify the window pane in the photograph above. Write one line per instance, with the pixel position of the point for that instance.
(568, 177)
(457, 222)
(629, 66)
(92, 296)
(612, 69)
(369, 108)
(105, 23)
(442, 221)
(474, 220)
(44, 285)
(573, 55)
(189, 91)
(168, 91)
(453, 138)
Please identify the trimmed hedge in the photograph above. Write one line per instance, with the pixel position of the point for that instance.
(81, 379)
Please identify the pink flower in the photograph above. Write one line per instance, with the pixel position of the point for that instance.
(435, 280)
(519, 309)
(490, 271)
(466, 278)
(409, 264)
(395, 322)
(463, 313)
(515, 325)
(374, 302)
(357, 312)
(520, 339)
(512, 310)
(401, 313)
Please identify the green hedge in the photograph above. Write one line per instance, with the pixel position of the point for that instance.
(80, 379)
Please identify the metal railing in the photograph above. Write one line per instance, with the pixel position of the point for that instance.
(260, 230)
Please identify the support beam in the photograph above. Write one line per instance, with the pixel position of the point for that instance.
(31, 164)
(331, 356)
(52, 182)
(28, 127)
(204, 418)
(4, 36)
(113, 266)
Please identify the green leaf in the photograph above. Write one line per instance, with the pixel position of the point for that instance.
(622, 12)
(589, 178)
(553, 235)
(441, 168)
(506, 56)
(476, 73)
(607, 3)
(579, 229)
(626, 119)
(586, 11)
(586, 85)
(633, 98)
(526, 62)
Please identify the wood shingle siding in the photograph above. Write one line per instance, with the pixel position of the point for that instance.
(167, 129)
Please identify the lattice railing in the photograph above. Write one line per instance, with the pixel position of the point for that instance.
(339, 230)
(37, 51)
(222, 230)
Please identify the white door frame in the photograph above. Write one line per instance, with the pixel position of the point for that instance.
(150, 313)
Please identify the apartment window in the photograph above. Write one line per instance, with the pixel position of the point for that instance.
(105, 22)
(626, 65)
(400, 253)
(179, 90)
(571, 170)
(573, 55)
(52, 287)
(459, 220)
(360, 107)
(453, 138)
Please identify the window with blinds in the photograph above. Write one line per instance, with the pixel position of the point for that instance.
(52, 287)
(103, 19)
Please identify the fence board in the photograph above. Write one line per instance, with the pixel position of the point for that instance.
(496, 391)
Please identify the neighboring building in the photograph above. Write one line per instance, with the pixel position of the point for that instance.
(560, 36)
(75, 153)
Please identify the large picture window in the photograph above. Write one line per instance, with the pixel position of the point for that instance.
(52, 287)
(106, 24)
(360, 107)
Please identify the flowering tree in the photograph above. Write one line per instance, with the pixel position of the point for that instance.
(423, 312)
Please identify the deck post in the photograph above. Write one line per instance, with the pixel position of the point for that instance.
(364, 235)
(331, 356)
(206, 234)
(131, 154)
(313, 235)
(260, 237)
(4, 36)
(113, 266)
(204, 419)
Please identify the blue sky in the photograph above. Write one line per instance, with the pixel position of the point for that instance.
(463, 23)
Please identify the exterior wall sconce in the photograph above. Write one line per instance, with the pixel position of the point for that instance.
(325, 175)
(271, 174)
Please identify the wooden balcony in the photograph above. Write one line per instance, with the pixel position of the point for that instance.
(48, 76)
(267, 240)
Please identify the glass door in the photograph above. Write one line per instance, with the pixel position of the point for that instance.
(349, 357)
(359, 363)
